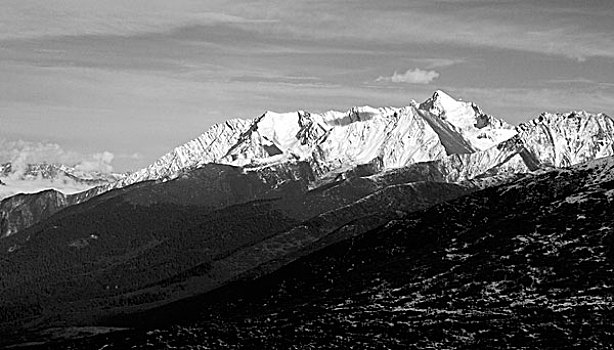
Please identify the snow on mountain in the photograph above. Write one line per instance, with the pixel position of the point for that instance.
(394, 137)
(508, 157)
(441, 139)
(333, 140)
(275, 137)
(453, 136)
(492, 166)
(481, 130)
(207, 148)
(562, 140)
(439, 129)
(33, 178)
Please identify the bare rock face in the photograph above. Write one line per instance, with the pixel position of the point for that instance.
(23, 210)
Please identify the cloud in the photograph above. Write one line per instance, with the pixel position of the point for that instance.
(432, 63)
(99, 162)
(41, 18)
(579, 81)
(20, 153)
(570, 30)
(538, 27)
(14, 185)
(411, 76)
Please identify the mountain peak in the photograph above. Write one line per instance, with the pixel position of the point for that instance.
(481, 130)
(444, 100)
(445, 106)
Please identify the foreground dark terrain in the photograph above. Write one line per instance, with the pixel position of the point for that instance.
(523, 265)
(154, 243)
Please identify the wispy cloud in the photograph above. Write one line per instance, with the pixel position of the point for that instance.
(39, 18)
(579, 81)
(411, 76)
(22, 153)
(511, 25)
(578, 32)
(432, 63)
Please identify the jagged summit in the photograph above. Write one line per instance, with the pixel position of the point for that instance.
(445, 101)
(565, 139)
(457, 112)
(481, 130)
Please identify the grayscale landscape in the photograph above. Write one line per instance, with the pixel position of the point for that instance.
(306, 174)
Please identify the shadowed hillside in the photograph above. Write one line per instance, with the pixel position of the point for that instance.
(525, 264)
(153, 243)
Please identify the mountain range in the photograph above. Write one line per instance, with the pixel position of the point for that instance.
(261, 202)
(457, 136)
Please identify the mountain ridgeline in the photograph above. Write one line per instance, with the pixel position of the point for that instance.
(441, 129)
(250, 201)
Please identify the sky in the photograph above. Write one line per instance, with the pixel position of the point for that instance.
(112, 85)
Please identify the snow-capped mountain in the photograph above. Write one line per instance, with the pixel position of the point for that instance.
(480, 130)
(33, 178)
(439, 128)
(334, 141)
(309, 181)
(444, 139)
(562, 140)
(54, 171)
(394, 137)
